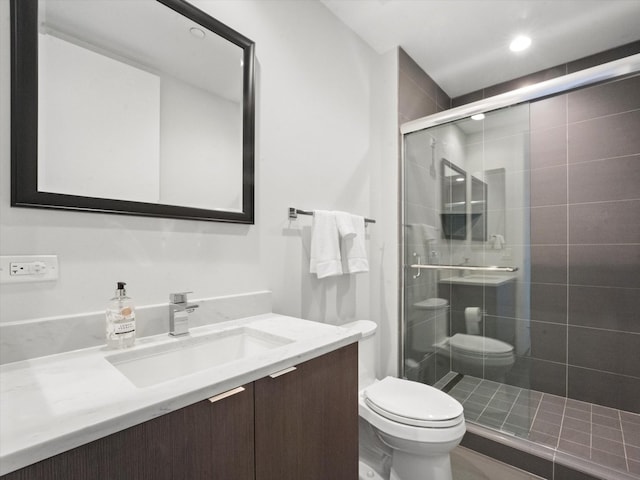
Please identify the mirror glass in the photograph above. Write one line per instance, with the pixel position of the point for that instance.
(454, 201)
(496, 205)
(478, 209)
(142, 107)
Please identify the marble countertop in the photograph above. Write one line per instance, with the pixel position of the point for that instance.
(53, 404)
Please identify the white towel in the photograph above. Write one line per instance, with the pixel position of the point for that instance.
(346, 229)
(325, 245)
(498, 241)
(355, 247)
(421, 233)
(431, 234)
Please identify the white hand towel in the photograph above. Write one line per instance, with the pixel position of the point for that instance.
(431, 234)
(421, 233)
(325, 245)
(345, 225)
(355, 247)
(498, 242)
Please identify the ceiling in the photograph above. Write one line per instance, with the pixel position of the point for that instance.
(463, 44)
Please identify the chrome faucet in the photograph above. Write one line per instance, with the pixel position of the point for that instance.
(179, 310)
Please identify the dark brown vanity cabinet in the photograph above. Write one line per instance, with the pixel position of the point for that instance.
(300, 424)
(202, 441)
(307, 420)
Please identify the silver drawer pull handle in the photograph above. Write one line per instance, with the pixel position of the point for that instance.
(282, 372)
(226, 394)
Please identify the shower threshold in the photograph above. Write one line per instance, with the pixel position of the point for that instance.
(562, 433)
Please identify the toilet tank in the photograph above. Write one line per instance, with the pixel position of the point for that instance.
(433, 325)
(366, 351)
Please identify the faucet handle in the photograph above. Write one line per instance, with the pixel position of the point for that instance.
(180, 297)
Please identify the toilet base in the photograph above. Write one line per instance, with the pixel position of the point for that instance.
(366, 472)
(406, 466)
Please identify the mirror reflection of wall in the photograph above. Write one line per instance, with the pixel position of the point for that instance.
(98, 124)
(150, 115)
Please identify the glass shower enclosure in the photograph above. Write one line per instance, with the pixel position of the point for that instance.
(518, 243)
(466, 257)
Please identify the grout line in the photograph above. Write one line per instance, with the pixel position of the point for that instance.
(590, 429)
(492, 397)
(471, 393)
(535, 415)
(485, 407)
(624, 443)
(468, 396)
(567, 292)
(564, 411)
(511, 409)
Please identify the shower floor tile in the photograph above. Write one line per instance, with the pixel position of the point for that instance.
(593, 433)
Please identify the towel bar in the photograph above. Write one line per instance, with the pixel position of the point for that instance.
(294, 212)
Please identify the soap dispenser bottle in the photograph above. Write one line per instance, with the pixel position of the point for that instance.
(121, 320)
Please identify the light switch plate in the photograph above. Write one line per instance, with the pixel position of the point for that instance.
(28, 268)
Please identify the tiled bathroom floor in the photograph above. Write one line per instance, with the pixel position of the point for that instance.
(601, 435)
(469, 465)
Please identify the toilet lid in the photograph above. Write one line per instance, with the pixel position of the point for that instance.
(431, 304)
(479, 344)
(413, 403)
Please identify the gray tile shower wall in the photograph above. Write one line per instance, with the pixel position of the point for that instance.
(418, 94)
(585, 244)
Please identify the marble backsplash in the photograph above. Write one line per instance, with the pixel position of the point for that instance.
(47, 336)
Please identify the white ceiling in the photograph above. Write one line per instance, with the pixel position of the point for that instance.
(463, 44)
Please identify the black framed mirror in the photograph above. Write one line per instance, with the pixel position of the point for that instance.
(140, 108)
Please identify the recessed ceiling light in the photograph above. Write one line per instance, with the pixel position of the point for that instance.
(477, 116)
(197, 32)
(521, 42)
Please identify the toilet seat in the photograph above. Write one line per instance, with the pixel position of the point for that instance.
(413, 403)
(479, 345)
(431, 304)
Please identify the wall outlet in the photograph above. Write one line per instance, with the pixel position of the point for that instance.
(28, 268)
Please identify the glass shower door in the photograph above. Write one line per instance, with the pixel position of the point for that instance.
(466, 207)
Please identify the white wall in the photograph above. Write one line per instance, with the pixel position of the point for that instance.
(316, 148)
(385, 207)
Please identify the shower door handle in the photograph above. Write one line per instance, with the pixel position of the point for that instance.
(415, 255)
(473, 268)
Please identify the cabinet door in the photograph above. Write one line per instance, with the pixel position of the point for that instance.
(207, 441)
(307, 420)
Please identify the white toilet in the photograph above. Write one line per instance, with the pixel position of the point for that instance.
(419, 423)
(470, 353)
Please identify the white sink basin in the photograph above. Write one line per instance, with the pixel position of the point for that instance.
(479, 279)
(168, 361)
